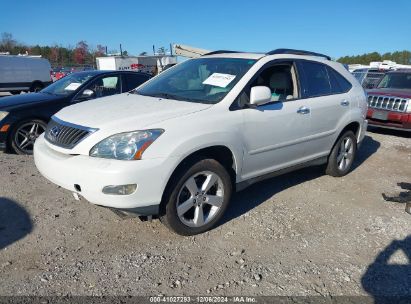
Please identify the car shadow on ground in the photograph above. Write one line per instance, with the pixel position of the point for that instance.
(15, 222)
(253, 196)
(385, 280)
(399, 133)
(368, 147)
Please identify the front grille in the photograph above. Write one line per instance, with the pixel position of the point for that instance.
(64, 134)
(389, 103)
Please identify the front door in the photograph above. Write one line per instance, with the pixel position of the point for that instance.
(275, 134)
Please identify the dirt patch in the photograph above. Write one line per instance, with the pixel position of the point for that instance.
(303, 233)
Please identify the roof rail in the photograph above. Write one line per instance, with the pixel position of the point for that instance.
(297, 52)
(220, 52)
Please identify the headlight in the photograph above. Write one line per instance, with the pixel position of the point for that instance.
(3, 115)
(126, 146)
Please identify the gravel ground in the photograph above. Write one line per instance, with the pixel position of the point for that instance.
(303, 233)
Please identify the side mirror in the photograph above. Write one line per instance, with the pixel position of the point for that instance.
(87, 94)
(260, 95)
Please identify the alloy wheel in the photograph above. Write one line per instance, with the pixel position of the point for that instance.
(27, 134)
(200, 199)
(345, 153)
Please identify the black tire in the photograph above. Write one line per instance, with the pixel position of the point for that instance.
(335, 167)
(36, 86)
(15, 92)
(15, 138)
(170, 217)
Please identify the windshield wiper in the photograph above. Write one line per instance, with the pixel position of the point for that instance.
(172, 96)
(167, 96)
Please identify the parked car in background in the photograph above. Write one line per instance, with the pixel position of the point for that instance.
(24, 117)
(369, 78)
(82, 68)
(389, 104)
(54, 71)
(62, 72)
(185, 140)
(24, 73)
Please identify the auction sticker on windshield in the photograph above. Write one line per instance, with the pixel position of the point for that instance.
(219, 80)
(72, 86)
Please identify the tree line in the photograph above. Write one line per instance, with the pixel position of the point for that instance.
(83, 54)
(400, 57)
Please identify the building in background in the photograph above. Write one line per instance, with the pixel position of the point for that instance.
(148, 64)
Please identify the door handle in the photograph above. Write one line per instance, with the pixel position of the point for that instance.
(303, 110)
(345, 103)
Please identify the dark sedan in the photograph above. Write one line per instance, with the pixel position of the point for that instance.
(24, 117)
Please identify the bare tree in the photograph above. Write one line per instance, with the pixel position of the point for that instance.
(7, 41)
(81, 51)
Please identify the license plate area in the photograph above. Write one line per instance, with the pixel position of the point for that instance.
(380, 115)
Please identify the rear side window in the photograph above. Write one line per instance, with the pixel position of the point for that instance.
(132, 81)
(338, 83)
(316, 82)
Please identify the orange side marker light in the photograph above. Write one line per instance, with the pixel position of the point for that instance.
(5, 128)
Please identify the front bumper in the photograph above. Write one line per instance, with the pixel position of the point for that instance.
(87, 176)
(395, 120)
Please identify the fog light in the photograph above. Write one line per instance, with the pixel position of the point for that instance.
(120, 190)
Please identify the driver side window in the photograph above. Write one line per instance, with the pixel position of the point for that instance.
(105, 86)
(280, 78)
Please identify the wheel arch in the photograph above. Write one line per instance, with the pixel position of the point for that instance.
(219, 152)
(352, 126)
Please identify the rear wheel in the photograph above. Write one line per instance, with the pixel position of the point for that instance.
(198, 198)
(25, 134)
(342, 155)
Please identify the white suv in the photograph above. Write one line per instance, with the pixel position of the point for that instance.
(180, 144)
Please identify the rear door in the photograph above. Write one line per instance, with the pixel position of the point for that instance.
(325, 92)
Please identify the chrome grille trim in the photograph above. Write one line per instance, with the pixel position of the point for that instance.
(389, 103)
(64, 134)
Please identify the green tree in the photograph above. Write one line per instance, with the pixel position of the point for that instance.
(400, 57)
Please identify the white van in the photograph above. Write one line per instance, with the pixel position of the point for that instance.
(23, 73)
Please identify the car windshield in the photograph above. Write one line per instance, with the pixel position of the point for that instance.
(68, 84)
(396, 81)
(203, 80)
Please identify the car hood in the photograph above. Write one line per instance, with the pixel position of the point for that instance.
(402, 93)
(126, 112)
(25, 99)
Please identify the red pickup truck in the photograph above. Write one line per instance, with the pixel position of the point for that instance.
(389, 104)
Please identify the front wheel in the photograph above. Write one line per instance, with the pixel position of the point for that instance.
(198, 198)
(25, 134)
(342, 155)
